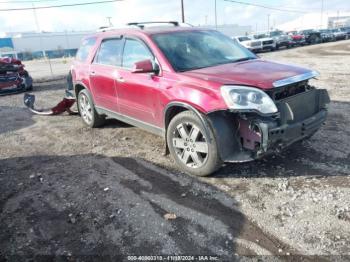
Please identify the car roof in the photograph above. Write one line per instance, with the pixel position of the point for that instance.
(147, 30)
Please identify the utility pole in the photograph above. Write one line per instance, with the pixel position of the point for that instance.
(337, 25)
(109, 20)
(216, 16)
(322, 14)
(41, 39)
(38, 30)
(182, 11)
(268, 23)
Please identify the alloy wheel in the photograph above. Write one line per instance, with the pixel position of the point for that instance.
(85, 108)
(190, 145)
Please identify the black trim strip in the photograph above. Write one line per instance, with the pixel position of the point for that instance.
(132, 121)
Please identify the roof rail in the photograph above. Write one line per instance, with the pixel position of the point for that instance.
(141, 25)
(106, 28)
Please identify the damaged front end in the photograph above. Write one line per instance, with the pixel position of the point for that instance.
(13, 77)
(302, 109)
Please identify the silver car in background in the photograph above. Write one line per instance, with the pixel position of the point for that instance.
(268, 43)
(280, 37)
(250, 43)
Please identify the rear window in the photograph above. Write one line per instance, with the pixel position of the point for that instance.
(85, 48)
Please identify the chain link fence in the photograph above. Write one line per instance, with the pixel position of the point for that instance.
(46, 69)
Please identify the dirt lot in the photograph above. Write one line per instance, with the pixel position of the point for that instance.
(72, 191)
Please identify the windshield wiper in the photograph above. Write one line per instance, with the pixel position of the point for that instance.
(243, 59)
(217, 64)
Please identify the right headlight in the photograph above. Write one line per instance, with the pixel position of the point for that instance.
(248, 98)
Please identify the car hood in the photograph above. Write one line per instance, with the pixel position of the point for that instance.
(258, 73)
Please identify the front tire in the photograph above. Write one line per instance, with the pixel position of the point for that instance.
(194, 153)
(87, 110)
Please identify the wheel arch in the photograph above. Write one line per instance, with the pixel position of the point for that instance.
(78, 87)
(174, 108)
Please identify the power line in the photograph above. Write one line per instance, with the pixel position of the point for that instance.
(25, 2)
(57, 6)
(267, 7)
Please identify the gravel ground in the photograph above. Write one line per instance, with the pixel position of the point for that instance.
(72, 191)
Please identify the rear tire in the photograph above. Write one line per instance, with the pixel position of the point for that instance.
(87, 110)
(194, 153)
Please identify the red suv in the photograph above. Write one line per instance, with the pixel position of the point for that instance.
(211, 99)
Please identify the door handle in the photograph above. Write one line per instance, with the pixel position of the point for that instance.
(92, 73)
(120, 79)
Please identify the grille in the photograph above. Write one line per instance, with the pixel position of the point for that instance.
(299, 107)
(290, 90)
(255, 44)
(269, 42)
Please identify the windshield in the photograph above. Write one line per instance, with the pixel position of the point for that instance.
(276, 33)
(199, 49)
(261, 36)
(307, 31)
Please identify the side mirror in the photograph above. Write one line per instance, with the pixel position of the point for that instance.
(145, 66)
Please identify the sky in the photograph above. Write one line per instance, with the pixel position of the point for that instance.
(197, 12)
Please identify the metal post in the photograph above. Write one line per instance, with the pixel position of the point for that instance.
(48, 57)
(322, 14)
(182, 11)
(216, 17)
(338, 19)
(109, 20)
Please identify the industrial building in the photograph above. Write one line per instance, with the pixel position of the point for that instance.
(339, 21)
(28, 46)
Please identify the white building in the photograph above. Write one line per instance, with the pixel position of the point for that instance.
(32, 45)
(318, 21)
(231, 30)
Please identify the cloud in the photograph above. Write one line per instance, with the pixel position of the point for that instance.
(197, 12)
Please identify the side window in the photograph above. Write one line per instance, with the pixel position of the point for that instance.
(85, 49)
(135, 51)
(110, 52)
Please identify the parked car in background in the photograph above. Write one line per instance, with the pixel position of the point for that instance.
(327, 35)
(347, 31)
(211, 99)
(311, 36)
(280, 37)
(339, 34)
(296, 39)
(13, 77)
(250, 43)
(268, 43)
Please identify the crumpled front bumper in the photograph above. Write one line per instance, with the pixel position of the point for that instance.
(300, 116)
(274, 139)
(21, 84)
